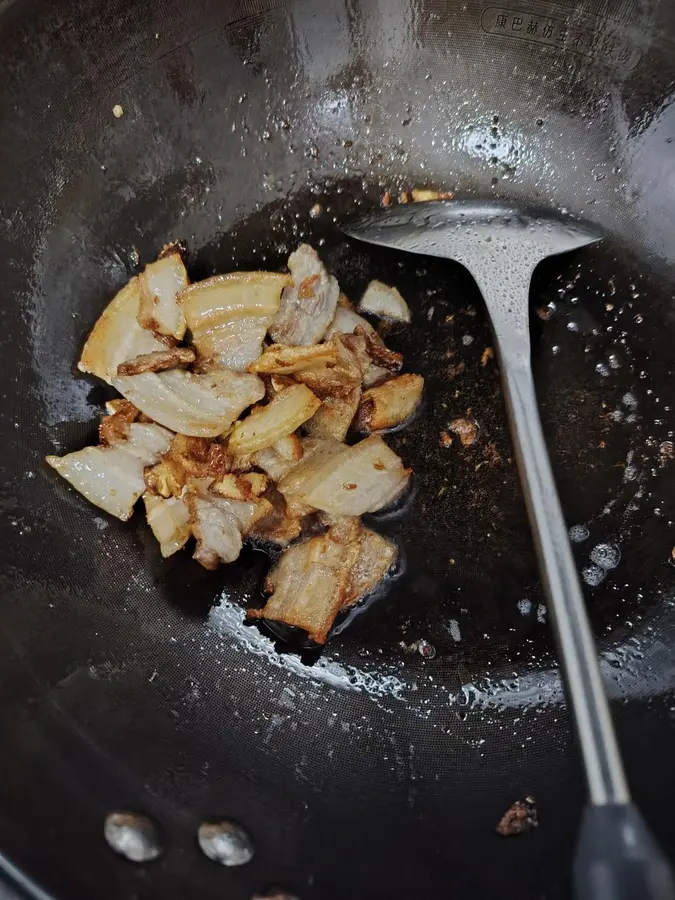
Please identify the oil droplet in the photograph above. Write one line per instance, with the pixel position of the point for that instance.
(225, 842)
(132, 835)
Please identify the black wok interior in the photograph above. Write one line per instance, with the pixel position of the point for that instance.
(129, 682)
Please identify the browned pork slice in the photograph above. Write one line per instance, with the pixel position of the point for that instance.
(390, 404)
(314, 580)
(229, 315)
(195, 405)
(308, 306)
(160, 284)
(117, 336)
(347, 481)
(219, 524)
(111, 475)
(157, 361)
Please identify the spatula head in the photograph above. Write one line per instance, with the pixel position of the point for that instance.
(463, 229)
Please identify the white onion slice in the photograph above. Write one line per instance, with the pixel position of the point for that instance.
(268, 424)
(117, 337)
(112, 477)
(195, 405)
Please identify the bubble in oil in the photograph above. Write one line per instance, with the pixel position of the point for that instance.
(606, 556)
(593, 575)
(578, 533)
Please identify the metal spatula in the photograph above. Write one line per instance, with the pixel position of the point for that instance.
(617, 858)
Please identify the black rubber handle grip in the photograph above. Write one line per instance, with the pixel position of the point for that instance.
(618, 858)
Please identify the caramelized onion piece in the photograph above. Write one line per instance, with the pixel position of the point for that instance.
(196, 405)
(117, 336)
(268, 424)
(229, 315)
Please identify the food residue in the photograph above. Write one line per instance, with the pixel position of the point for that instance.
(519, 818)
(465, 429)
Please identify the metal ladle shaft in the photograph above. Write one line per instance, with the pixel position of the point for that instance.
(617, 858)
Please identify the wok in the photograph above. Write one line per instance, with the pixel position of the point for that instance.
(131, 683)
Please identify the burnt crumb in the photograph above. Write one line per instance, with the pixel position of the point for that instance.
(445, 439)
(466, 431)
(666, 451)
(519, 818)
(454, 371)
(486, 356)
(544, 312)
(421, 646)
(491, 456)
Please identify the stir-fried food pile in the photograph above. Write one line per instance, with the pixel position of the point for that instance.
(238, 397)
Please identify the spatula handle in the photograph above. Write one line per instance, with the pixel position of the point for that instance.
(578, 654)
(618, 859)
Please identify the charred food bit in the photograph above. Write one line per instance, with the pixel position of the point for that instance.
(486, 356)
(465, 429)
(519, 818)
